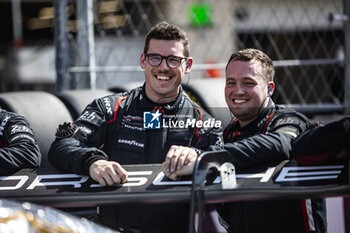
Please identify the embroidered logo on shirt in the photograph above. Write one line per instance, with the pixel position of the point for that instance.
(236, 133)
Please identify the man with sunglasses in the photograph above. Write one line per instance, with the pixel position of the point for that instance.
(112, 132)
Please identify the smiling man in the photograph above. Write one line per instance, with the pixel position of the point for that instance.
(162, 83)
(260, 134)
(125, 128)
(248, 87)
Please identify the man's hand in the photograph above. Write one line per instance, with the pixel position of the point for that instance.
(108, 173)
(179, 161)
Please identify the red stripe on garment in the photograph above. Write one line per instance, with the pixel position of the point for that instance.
(226, 132)
(158, 108)
(314, 159)
(200, 118)
(267, 122)
(306, 219)
(116, 108)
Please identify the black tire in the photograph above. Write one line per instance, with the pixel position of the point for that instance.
(126, 86)
(44, 112)
(77, 100)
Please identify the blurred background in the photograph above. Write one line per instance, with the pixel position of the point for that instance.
(60, 45)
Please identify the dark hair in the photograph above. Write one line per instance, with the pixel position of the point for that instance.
(166, 31)
(250, 54)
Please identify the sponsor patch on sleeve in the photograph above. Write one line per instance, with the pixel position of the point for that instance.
(90, 117)
(18, 132)
(289, 130)
(15, 129)
(286, 121)
(290, 125)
